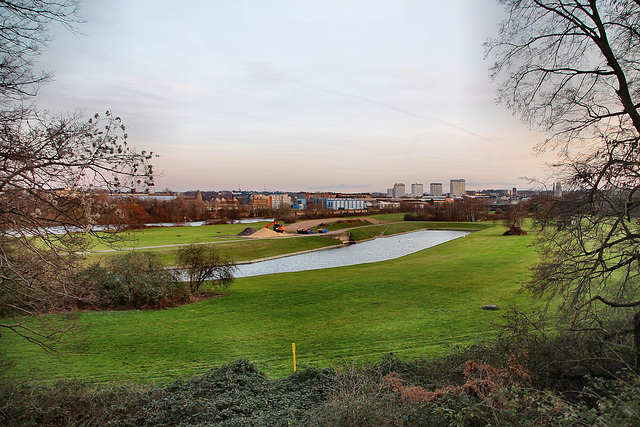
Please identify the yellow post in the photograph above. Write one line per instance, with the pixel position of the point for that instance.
(293, 348)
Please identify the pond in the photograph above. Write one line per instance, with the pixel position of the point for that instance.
(64, 230)
(201, 223)
(380, 249)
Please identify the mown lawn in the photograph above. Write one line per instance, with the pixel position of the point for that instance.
(373, 231)
(244, 250)
(164, 242)
(161, 236)
(418, 305)
(164, 236)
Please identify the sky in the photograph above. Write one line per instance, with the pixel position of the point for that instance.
(297, 95)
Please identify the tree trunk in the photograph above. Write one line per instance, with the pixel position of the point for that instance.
(636, 337)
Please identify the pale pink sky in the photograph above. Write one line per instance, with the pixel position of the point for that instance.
(297, 94)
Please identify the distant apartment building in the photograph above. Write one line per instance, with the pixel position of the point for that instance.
(278, 200)
(557, 190)
(417, 190)
(436, 189)
(224, 203)
(398, 190)
(260, 201)
(457, 187)
(300, 203)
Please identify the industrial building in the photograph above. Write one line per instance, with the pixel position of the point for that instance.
(345, 204)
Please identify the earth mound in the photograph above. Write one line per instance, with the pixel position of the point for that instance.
(264, 233)
(515, 231)
(247, 231)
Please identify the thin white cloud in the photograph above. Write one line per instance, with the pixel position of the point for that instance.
(286, 93)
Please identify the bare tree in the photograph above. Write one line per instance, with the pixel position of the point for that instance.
(23, 35)
(513, 219)
(572, 68)
(204, 264)
(54, 172)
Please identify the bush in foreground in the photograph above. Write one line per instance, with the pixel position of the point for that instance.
(476, 386)
(131, 281)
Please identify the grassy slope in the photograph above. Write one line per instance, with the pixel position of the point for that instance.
(417, 305)
(245, 250)
(162, 240)
(178, 235)
(370, 232)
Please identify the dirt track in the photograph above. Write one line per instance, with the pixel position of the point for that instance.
(316, 222)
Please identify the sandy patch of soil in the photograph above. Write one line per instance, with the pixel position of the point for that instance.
(312, 223)
(264, 233)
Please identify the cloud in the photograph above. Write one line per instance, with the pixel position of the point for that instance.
(340, 187)
(324, 11)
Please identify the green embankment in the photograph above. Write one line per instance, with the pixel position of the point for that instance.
(373, 231)
(161, 236)
(165, 241)
(418, 305)
(245, 250)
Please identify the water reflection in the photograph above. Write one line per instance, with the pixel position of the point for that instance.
(380, 249)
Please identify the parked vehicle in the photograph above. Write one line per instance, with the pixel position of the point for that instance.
(305, 230)
(276, 227)
(322, 230)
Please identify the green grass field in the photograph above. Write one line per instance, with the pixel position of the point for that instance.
(164, 242)
(161, 236)
(244, 250)
(418, 305)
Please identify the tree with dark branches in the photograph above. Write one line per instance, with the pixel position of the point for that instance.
(56, 172)
(23, 36)
(203, 264)
(572, 68)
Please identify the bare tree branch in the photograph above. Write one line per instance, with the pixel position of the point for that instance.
(572, 68)
(23, 35)
(56, 173)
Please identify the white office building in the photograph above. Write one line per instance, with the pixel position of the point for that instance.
(398, 190)
(417, 190)
(345, 204)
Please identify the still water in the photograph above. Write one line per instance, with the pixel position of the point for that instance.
(201, 223)
(380, 249)
(64, 230)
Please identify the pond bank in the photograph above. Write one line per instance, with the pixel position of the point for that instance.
(381, 248)
(351, 242)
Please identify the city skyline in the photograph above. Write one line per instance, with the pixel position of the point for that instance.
(434, 189)
(307, 95)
